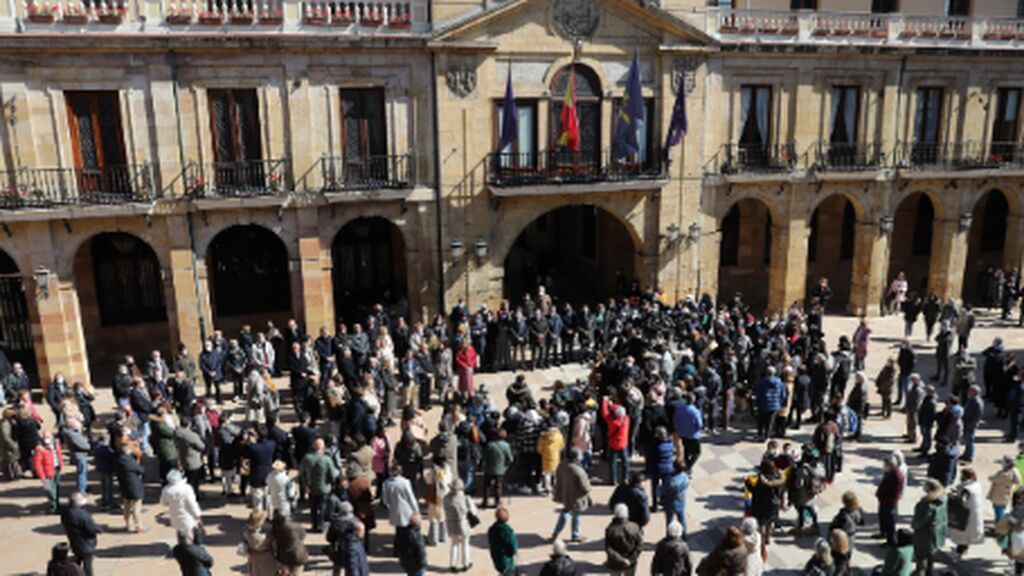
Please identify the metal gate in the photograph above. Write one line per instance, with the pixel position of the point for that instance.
(15, 330)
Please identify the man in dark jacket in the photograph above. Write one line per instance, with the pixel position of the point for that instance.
(211, 363)
(560, 564)
(192, 557)
(260, 453)
(973, 410)
(130, 476)
(80, 530)
(635, 499)
(771, 396)
(906, 359)
(412, 554)
(672, 555)
(622, 543)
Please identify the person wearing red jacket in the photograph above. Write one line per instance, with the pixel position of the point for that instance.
(617, 422)
(47, 462)
(465, 364)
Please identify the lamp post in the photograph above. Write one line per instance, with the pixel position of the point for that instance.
(41, 276)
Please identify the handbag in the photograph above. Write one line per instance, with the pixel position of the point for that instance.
(473, 519)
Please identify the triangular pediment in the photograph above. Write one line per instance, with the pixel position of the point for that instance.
(617, 22)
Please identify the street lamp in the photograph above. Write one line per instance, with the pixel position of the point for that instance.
(42, 279)
(885, 224)
(965, 221)
(693, 233)
(673, 233)
(457, 250)
(481, 250)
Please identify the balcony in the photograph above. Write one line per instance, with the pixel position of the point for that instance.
(384, 172)
(246, 179)
(863, 29)
(1006, 155)
(940, 157)
(566, 167)
(757, 158)
(857, 157)
(50, 187)
(316, 17)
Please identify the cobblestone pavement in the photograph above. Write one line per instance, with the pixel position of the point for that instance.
(27, 533)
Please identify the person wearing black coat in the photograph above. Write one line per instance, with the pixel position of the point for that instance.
(412, 554)
(672, 555)
(635, 499)
(81, 531)
(261, 458)
(130, 476)
(192, 557)
(560, 564)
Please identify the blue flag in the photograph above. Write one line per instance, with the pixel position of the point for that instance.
(631, 114)
(677, 127)
(509, 116)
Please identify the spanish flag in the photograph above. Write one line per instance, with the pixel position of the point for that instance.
(570, 136)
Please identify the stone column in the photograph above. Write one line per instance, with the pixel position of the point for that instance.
(870, 260)
(185, 298)
(1014, 236)
(54, 313)
(788, 271)
(948, 259)
(314, 273)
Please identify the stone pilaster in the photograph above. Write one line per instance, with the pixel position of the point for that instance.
(185, 299)
(1012, 252)
(317, 307)
(788, 271)
(948, 259)
(870, 260)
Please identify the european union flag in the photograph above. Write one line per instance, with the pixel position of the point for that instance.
(509, 116)
(631, 114)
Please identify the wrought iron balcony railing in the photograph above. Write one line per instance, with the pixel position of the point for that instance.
(846, 157)
(340, 173)
(1006, 154)
(920, 156)
(47, 187)
(549, 167)
(758, 158)
(238, 179)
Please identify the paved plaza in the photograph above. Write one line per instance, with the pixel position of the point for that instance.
(715, 496)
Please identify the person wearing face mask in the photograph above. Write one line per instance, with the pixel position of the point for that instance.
(47, 462)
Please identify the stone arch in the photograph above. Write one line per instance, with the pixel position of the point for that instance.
(369, 266)
(119, 283)
(591, 64)
(15, 324)
(80, 238)
(831, 246)
(988, 245)
(939, 203)
(745, 251)
(249, 277)
(605, 250)
(727, 201)
(912, 239)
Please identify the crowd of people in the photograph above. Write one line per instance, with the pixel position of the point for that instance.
(662, 378)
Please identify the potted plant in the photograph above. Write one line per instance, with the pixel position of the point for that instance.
(790, 30)
(273, 17)
(240, 18)
(42, 13)
(178, 16)
(113, 16)
(821, 31)
(401, 21)
(315, 17)
(196, 188)
(210, 18)
(342, 17)
(275, 182)
(74, 14)
(372, 19)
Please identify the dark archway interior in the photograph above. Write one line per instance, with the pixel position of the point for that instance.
(830, 249)
(368, 255)
(987, 245)
(121, 296)
(579, 253)
(745, 253)
(910, 247)
(15, 327)
(249, 278)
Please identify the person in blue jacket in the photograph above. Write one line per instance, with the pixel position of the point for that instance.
(771, 395)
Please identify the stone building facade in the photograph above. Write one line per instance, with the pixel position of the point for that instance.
(173, 169)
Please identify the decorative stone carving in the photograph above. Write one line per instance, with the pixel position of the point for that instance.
(461, 79)
(577, 20)
(684, 73)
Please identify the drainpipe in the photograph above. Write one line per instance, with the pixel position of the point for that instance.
(437, 182)
(189, 216)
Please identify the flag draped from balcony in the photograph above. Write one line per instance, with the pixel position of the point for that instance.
(570, 136)
(677, 127)
(509, 116)
(631, 114)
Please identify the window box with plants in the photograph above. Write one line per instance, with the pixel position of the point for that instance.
(372, 19)
(342, 17)
(178, 17)
(74, 15)
(209, 18)
(241, 18)
(401, 21)
(271, 18)
(113, 16)
(42, 13)
(315, 17)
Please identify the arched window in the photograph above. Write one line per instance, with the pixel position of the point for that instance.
(129, 287)
(588, 112)
(730, 250)
(993, 231)
(923, 227)
(249, 272)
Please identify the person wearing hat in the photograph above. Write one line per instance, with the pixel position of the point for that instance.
(281, 492)
(459, 511)
(930, 525)
(256, 544)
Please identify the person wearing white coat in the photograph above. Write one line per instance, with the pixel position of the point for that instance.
(182, 507)
(974, 532)
(752, 540)
(281, 493)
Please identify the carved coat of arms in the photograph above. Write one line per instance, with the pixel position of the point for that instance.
(577, 19)
(684, 74)
(461, 81)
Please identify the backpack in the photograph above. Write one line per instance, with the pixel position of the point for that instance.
(958, 512)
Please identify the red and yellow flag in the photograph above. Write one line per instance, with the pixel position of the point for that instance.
(570, 136)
